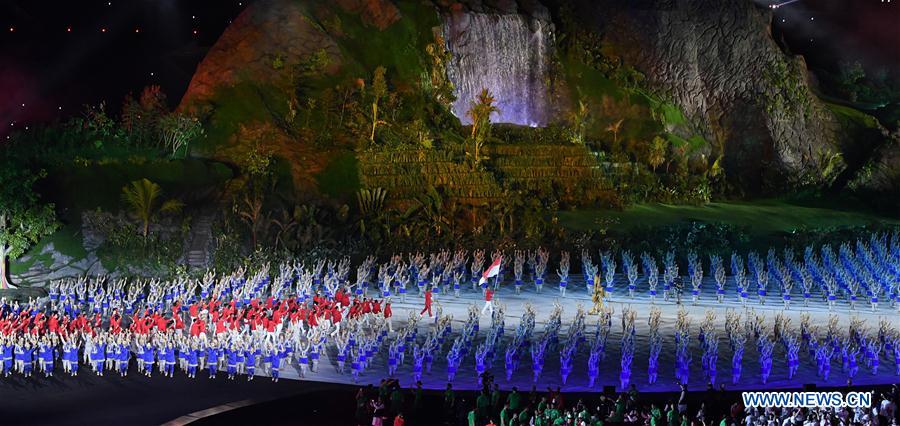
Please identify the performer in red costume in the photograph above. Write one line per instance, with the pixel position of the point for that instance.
(387, 316)
(376, 307)
(427, 304)
(336, 320)
(488, 301)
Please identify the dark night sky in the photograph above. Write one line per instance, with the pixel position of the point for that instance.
(56, 54)
(827, 31)
(69, 53)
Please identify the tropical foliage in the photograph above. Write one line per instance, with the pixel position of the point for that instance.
(144, 201)
(24, 220)
(480, 113)
(378, 92)
(372, 221)
(126, 251)
(178, 131)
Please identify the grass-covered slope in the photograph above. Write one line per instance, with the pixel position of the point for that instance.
(761, 217)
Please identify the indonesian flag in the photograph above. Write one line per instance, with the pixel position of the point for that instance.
(491, 271)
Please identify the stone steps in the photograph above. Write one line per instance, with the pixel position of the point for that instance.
(197, 253)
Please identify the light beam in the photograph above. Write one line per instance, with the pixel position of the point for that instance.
(777, 5)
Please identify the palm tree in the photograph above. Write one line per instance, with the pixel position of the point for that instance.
(432, 208)
(614, 129)
(143, 198)
(480, 112)
(371, 203)
(379, 90)
(658, 149)
(250, 210)
(580, 122)
(284, 225)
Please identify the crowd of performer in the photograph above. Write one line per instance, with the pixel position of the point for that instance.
(231, 324)
(246, 322)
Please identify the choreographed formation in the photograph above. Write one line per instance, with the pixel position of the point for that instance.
(318, 321)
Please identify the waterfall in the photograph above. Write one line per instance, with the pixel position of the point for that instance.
(505, 54)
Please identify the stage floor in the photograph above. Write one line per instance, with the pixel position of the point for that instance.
(466, 376)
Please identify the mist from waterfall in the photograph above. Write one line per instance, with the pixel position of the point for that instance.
(505, 54)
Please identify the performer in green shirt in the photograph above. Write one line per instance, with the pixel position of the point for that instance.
(655, 415)
(514, 399)
(483, 404)
(505, 415)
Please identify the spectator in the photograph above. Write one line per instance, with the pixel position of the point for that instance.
(495, 400)
(505, 415)
(396, 400)
(378, 412)
(887, 410)
(682, 400)
(483, 406)
(399, 420)
(671, 417)
(514, 399)
(417, 400)
(655, 415)
(449, 401)
(633, 393)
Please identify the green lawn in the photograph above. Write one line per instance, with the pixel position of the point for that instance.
(16, 267)
(853, 115)
(762, 217)
(67, 241)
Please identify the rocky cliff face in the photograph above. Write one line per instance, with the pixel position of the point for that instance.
(268, 31)
(717, 60)
(273, 31)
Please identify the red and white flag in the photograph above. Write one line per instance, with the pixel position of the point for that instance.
(491, 271)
